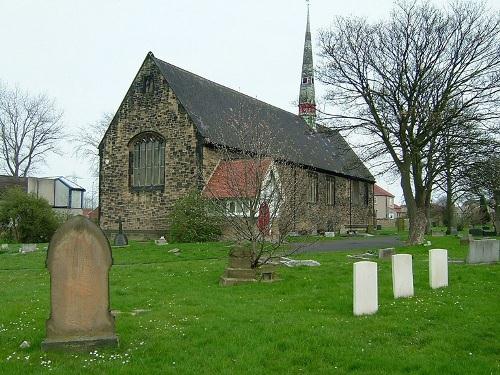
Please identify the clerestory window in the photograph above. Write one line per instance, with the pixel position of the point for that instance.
(147, 162)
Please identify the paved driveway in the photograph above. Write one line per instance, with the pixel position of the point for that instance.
(350, 244)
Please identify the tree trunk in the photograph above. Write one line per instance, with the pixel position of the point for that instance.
(428, 215)
(450, 214)
(496, 195)
(416, 211)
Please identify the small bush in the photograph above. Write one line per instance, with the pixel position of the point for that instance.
(26, 218)
(191, 220)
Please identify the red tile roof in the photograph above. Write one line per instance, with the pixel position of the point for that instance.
(237, 179)
(378, 191)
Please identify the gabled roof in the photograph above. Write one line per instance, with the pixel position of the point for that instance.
(215, 109)
(237, 179)
(378, 191)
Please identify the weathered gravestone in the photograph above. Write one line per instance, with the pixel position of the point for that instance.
(402, 275)
(120, 238)
(79, 259)
(438, 268)
(329, 234)
(437, 233)
(161, 241)
(27, 248)
(386, 253)
(5, 247)
(365, 288)
(239, 269)
(484, 251)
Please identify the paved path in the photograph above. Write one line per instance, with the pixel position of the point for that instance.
(378, 242)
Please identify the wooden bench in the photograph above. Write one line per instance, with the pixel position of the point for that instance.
(353, 228)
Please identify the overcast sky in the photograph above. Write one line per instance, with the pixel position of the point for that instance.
(84, 54)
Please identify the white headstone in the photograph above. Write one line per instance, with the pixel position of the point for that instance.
(365, 288)
(161, 241)
(329, 234)
(402, 275)
(484, 251)
(27, 248)
(5, 246)
(438, 268)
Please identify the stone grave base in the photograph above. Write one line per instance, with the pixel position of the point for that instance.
(235, 276)
(79, 343)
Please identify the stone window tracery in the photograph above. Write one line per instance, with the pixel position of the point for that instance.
(147, 162)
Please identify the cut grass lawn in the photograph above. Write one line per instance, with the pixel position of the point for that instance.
(302, 324)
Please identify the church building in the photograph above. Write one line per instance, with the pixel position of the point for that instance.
(163, 143)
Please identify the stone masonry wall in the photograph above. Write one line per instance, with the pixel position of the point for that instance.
(157, 111)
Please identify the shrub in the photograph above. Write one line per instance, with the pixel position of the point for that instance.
(191, 220)
(26, 218)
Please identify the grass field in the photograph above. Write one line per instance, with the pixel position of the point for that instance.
(301, 324)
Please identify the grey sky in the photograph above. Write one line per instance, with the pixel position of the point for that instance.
(86, 53)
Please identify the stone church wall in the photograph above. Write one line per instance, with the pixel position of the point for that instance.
(146, 212)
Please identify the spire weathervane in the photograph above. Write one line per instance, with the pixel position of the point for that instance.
(307, 102)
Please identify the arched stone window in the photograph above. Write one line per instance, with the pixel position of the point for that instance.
(147, 161)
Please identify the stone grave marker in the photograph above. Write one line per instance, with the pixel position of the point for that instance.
(365, 288)
(5, 247)
(402, 275)
(120, 238)
(240, 268)
(484, 251)
(79, 259)
(438, 268)
(329, 234)
(453, 231)
(161, 241)
(386, 253)
(27, 248)
(437, 233)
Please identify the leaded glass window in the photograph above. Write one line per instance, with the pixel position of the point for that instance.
(148, 161)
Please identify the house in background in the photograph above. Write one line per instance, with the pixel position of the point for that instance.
(384, 204)
(401, 211)
(62, 194)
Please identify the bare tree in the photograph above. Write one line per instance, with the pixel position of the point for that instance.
(87, 141)
(30, 126)
(259, 194)
(404, 82)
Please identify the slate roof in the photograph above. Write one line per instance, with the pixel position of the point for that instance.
(378, 191)
(236, 178)
(215, 108)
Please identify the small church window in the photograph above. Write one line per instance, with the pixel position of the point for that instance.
(148, 85)
(312, 193)
(304, 80)
(330, 190)
(147, 162)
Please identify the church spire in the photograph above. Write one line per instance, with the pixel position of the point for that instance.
(307, 103)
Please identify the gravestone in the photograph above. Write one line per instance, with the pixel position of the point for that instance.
(79, 259)
(239, 269)
(453, 231)
(161, 241)
(386, 253)
(121, 238)
(484, 251)
(438, 268)
(365, 288)
(437, 233)
(329, 234)
(5, 247)
(27, 248)
(402, 275)
(476, 232)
